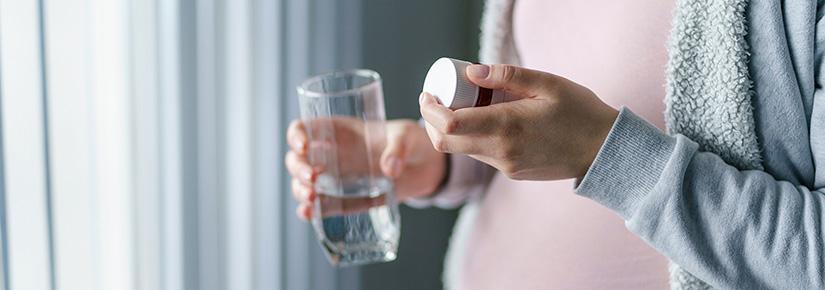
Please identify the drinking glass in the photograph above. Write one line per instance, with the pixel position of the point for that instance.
(356, 216)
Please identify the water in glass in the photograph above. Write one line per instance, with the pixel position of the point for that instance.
(357, 225)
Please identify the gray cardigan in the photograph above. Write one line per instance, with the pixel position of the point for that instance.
(731, 227)
(735, 229)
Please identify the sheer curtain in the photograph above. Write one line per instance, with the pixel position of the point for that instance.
(141, 141)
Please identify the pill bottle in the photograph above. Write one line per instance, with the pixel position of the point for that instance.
(447, 81)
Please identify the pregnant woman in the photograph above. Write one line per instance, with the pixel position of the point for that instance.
(734, 196)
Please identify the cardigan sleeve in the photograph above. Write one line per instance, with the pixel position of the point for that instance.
(733, 229)
(467, 178)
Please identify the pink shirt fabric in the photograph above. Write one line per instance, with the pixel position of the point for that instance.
(539, 235)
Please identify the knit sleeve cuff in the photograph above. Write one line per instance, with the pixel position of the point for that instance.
(466, 179)
(628, 165)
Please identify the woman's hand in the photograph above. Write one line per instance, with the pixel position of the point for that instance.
(553, 132)
(407, 158)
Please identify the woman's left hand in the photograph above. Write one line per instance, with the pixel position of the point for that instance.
(553, 132)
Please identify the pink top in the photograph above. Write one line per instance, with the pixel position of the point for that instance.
(540, 235)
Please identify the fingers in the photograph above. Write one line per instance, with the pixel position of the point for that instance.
(303, 179)
(299, 168)
(296, 137)
(303, 193)
(305, 196)
(444, 126)
(304, 211)
(454, 144)
(479, 120)
(395, 153)
(438, 115)
(514, 79)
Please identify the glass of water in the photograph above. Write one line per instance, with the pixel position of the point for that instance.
(356, 214)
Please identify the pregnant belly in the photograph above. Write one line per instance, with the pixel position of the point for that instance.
(540, 235)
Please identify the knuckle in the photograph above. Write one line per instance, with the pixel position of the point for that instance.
(509, 169)
(510, 127)
(506, 149)
(509, 174)
(514, 171)
(505, 121)
(395, 148)
(439, 144)
(294, 126)
(450, 125)
(514, 128)
(289, 158)
(517, 176)
(509, 152)
(508, 72)
(296, 187)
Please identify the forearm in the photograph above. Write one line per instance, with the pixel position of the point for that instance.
(733, 229)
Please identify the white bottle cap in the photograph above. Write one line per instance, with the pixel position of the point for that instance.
(448, 82)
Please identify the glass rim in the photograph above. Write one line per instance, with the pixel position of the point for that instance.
(303, 89)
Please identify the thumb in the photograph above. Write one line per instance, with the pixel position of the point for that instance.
(518, 80)
(395, 154)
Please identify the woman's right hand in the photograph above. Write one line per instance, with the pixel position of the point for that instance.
(408, 158)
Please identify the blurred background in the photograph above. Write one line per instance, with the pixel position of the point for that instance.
(141, 141)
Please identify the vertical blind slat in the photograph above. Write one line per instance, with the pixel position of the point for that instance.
(188, 60)
(238, 106)
(70, 122)
(146, 135)
(268, 50)
(162, 141)
(112, 144)
(299, 244)
(4, 261)
(24, 158)
(210, 123)
(169, 125)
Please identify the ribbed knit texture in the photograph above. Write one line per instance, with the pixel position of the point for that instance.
(709, 89)
(602, 181)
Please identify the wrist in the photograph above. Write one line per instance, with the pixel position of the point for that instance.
(439, 178)
(445, 175)
(600, 133)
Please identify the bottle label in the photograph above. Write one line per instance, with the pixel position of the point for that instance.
(485, 97)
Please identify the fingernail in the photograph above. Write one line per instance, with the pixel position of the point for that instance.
(478, 71)
(301, 212)
(421, 98)
(307, 176)
(310, 195)
(395, 166)
(306, 194)
(302, 145)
